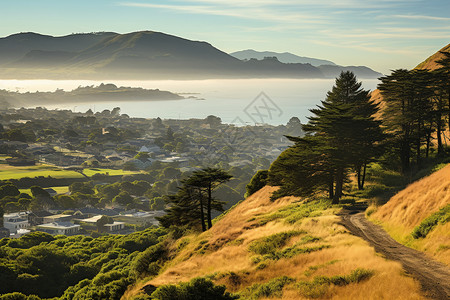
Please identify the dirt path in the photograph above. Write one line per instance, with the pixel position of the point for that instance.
(433, 276)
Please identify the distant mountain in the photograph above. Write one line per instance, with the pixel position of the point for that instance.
(328, 68)
(137, 55)
(285, 57)
(17, 45)
(360, 71)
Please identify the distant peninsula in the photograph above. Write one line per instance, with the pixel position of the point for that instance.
(103, 92)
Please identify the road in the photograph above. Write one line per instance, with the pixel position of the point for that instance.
(432, 275)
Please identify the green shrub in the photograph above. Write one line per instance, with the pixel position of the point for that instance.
(297, 211)
(273, 242)
(442, 216)
(273, 288)
(318, 287)
(196, 289)
(257, 182)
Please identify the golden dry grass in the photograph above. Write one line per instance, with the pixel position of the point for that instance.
(431, 62)
(227, 250)
(408, 208)
(416, 202)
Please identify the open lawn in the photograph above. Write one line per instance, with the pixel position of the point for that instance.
(58, 189)
(11, 172)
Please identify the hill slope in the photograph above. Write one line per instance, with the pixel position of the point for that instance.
(409, 208)
(430, 63)
(258, 242)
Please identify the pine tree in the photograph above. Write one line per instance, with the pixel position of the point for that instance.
(342, 135)
(346, 123)
(193, 203)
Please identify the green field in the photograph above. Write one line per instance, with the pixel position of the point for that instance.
(58, 189)
(11, 172)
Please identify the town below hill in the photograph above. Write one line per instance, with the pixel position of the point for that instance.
(62, 171)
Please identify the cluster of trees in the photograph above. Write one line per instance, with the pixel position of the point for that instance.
(76, 267)
(193, 204)
(417, 107)
(348, 131)
(342, 136)
(12, 200)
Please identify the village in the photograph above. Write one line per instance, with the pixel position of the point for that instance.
(57, 149)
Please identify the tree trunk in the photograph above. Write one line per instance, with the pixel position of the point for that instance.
(358, 174)
(331, 188)
(339, 185)
(404, 156)
(439, 135)
(202, 214)
(209, 206)
(363, 176)
(418, 144)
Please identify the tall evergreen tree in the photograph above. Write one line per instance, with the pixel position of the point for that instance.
(193, 203)
(345, 121)
(342, 135)
(409, 111)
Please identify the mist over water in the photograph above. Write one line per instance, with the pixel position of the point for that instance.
(233, 100)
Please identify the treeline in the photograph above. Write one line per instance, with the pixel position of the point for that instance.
(348, 131)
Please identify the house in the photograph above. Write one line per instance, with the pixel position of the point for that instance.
(51, 192)
(57, 218)
(20, 233)
(116, 226)
(64, 228)
(37, 218)
(91, 223)
(93, 211)
(141, 218)
(16, 221)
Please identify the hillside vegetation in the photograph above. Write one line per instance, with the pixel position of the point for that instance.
(289, 248)
(419, 215)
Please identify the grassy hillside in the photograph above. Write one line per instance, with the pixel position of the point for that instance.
(430, 62)
(289, 249)
(418, 215)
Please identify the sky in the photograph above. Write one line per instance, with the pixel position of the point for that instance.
(381, 34)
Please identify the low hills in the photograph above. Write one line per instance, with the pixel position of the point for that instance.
(143, 54)
(285, 57)
(328, 68)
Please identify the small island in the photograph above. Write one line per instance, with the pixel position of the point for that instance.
(103, 92)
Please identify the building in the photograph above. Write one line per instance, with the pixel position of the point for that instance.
(16, 221)
(141, 218)
(116, 226)
(57, 218)
(64, 228)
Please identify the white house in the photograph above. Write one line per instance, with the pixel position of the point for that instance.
(16, 221)
(116, 226)
(65, 228)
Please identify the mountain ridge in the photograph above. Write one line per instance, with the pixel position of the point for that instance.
(142, 54)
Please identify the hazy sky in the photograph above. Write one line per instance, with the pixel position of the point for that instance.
(382, 34)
